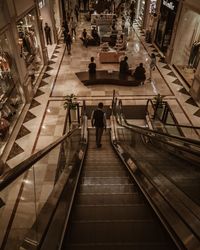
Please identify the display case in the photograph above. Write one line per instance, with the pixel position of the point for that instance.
(10, 98)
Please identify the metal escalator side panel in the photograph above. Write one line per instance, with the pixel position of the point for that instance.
(185, 212)
(47, 230)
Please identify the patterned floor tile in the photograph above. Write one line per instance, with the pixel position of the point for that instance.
(171, 74)
(48, 68)
(56, 52)
(38, 93)
(43, 83)
(45, 75)
(197, 113)
(2, 203)
(184, 91)
(192, 102)
(54, 57)
(51, 62)
(22, 132)
(29, 116)
(177, 82)
(16, 150)
(34, 104)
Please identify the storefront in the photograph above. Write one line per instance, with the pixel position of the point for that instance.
(47, 24)
(140, 12)
(186, 54)
(29, 44)
(10, 96)
(151, 20)
(165, 26)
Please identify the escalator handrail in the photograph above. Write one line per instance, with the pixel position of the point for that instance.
(8, 177)
(153, 133)
(170, 124)
(57, 202)
(170, 141)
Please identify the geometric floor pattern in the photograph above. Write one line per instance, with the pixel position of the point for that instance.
(59, 78)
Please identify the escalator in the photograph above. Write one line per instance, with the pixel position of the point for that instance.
(155, 153)
(109, 210)
(139, 191)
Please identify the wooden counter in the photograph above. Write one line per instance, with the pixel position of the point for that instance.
(103, 77)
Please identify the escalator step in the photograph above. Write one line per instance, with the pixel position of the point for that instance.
(105, 180)
(111, 212)
(136, 231)
(128, 188)
(122, 246)
(99, 199)
(102, 173)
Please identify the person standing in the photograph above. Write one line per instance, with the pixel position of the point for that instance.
(47, 31)
(73, 27)
(123, 67)
(92, 66)
(76, 12)
(68, 41)
(152, 64)
(98, 120)
(85, 38)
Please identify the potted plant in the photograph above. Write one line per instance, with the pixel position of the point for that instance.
(158, 100)
(70, 102)
(71, 105)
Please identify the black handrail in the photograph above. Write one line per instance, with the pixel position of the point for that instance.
(8, 177)
(149, 132)
(170, 124)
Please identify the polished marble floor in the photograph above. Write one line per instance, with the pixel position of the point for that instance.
(59, 79)
(43, 121)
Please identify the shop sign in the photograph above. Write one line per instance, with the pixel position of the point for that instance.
(169, 4)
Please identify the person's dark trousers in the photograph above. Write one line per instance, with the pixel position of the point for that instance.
(48, 38)
(99, 133)
(68, 48)
(85, 42)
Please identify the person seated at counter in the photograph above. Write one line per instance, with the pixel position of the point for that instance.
(124, 67)
(139, 74)
(92, 66)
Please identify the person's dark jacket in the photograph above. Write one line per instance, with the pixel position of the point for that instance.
(139, 73)
(123, 67)
(92, 68)
(84, 34)
(68, 39)
(98, 118)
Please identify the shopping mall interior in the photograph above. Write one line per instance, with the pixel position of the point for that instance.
(136, 183)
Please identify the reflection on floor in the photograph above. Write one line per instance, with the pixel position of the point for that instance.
(59, 80)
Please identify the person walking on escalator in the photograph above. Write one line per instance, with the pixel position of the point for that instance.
(98, 120)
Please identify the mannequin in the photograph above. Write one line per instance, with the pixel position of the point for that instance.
(47, 31)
